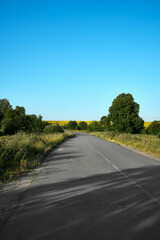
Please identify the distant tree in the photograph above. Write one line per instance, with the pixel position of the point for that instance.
(154, 128)
(72, 125)
(82, 125)
(124, 114)
(4, 105)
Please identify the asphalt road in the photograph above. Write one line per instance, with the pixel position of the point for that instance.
(89, 189)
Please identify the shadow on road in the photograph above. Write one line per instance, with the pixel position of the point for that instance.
(104, 206)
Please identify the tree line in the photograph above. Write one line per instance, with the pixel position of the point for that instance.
(14, 120)
(123, 117)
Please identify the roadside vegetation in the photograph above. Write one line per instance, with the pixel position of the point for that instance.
(147, 143)
(123, 125)
(22, 152)
(25, 140)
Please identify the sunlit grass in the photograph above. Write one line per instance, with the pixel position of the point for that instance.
(22, 152)
(147, 143)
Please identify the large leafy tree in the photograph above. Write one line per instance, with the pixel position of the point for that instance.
(124, 114)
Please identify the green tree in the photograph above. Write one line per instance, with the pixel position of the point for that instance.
(72, 125)
(4, 105)
(154, 128)
(34, 123)
(105, 122)
(82, 125)
(124, 114)
(1, 117)
(20, 118)
(9, 124)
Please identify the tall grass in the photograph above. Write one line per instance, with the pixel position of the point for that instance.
(147, 143)
(21, 152)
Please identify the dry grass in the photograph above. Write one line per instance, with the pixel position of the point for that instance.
(146, 143)
(22, 152)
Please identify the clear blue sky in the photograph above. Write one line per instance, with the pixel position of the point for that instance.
(68, 60)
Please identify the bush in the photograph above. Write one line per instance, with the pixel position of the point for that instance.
(153, 128)
(82, 125)
(105, 123)
(56, 128)
(159, 134)
(95, 126)
(72, 125)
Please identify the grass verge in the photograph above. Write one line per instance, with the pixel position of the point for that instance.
(147, 143)
(22, 152)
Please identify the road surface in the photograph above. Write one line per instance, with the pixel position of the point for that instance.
(89, 189)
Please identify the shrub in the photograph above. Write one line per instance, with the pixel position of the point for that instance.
(53, 129)
(82, 125)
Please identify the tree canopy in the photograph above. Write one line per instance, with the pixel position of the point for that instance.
(14, 120)
(154, 128)
(124, 114)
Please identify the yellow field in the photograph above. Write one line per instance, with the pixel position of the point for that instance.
(62, 123)
(146, 124)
